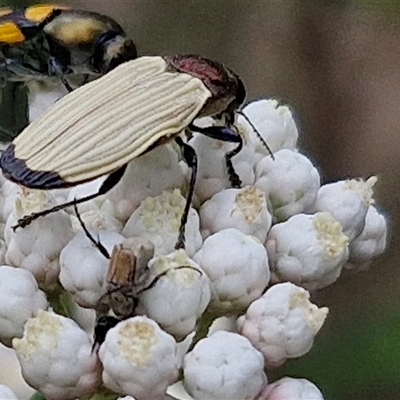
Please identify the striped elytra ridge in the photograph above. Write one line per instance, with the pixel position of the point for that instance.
(103, 125)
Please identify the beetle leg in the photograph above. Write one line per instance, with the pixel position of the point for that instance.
(191, 160)
(66, 84)
(156, 278)
(103, 325)
(227, 135)
(107, 185)
(97, 242)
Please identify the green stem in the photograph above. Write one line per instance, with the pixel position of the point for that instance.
(61, 301)
(203, 326)
(102, 393)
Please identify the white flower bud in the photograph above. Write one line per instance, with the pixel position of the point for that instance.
(282, 323)
(371, 243)
(274, 123)
(237, 266)
(244, 209)
(83, 267)
(56, 357)
(223, 366)
(158, 219)
(180, 295)
(36, 248)
(212, 174)
(96, 220)
(9, 193)
(348, 202)
(139, 359)
(20, 299)
(290, 182)
(291, 389)
(6, 393)
(147, 176)
(10, 373)
(309, 250)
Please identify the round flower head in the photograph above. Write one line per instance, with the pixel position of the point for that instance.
(282, 323)
(147, 176)
(244, 209)
(83, 267)
(20, 299)
(289, 181)
(291, 389)
(273, 122)
(180, 294)
(224, 366)
(97, 220)
(237, 266)
(212, 174)
(37, 247)
(56, 357)
(371, 243)
(139, 359)
(348, 202)
(158, 219)
(8, 195)
(10, 373)
(309, 250)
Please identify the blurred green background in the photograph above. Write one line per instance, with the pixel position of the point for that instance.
(337, 64)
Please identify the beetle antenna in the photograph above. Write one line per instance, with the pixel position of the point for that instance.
(156, 278)
(97, 242)
(258, 134)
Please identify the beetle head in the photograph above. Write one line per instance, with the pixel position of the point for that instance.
(112, 49)
(227, 89)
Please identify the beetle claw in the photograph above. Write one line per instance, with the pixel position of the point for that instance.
(24, 221)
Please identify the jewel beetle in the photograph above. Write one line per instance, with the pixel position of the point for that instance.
(101, 126)
(50, 40)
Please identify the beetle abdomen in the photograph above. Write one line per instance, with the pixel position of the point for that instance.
(105, 124)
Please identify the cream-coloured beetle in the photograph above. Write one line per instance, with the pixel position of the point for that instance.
(98, 128)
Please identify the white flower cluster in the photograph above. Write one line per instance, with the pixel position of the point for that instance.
(252, 255)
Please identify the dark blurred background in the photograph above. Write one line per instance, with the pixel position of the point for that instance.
(337, 64)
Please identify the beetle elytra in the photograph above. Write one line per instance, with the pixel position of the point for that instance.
(98, 128)
(50, 40)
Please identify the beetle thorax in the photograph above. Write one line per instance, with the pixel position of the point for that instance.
(226, 87)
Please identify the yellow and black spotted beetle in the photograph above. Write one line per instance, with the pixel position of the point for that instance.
(51, 40)
(101, 126)
(45, 41)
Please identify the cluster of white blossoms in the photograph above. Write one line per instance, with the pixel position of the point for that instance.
(210, 320)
